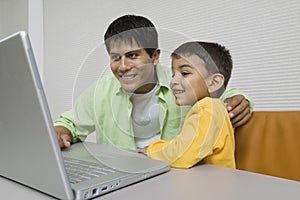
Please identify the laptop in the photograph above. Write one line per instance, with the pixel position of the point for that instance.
(29, 150)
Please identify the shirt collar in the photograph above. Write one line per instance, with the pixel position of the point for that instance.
(163, 77)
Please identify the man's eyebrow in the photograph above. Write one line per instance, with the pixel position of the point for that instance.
(114, 54)
(133, 51)
(128, 52)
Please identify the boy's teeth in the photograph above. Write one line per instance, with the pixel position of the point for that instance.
(178, 91)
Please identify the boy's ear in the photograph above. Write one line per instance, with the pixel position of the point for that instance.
(216, 81)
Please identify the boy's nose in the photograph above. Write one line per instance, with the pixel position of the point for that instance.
(174, 80)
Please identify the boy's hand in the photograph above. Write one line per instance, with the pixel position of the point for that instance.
(238, 108)
(64, 136)
(143, 150)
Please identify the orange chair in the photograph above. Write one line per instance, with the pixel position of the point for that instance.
(270, 144)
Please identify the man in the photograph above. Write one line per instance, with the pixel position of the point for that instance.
(135, 105)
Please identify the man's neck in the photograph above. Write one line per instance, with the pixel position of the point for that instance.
(149, 86)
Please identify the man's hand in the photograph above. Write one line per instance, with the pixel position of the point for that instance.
(239, 111)
(64, 136)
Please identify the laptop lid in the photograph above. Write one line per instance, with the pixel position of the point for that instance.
(29, 150)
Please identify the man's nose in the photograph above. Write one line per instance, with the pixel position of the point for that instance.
(125, 65)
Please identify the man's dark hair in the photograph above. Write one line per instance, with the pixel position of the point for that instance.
(216, 57)
(132, 28)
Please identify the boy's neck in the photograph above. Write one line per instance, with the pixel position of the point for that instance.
(218, 93)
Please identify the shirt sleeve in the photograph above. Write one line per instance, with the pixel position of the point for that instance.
(200, 132)
(230, 92)
(79, 120)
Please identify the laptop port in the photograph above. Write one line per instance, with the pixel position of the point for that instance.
(86, 195)
(94, 191)
(104, 188)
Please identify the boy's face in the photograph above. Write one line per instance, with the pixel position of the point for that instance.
(132, 66)
(188, 82)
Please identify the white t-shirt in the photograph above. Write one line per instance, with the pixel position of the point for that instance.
(145, 115)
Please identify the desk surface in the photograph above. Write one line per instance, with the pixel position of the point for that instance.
(201, 182)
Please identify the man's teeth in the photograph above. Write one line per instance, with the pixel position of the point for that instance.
(130, 76)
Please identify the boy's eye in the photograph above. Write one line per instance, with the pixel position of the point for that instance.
(173, 73)
(185, 73)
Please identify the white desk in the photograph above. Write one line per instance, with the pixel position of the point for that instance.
(205, 182)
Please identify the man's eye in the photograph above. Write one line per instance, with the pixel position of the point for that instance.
(132, 55)
(115, 57)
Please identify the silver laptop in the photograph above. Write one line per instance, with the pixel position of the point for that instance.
(29, 150)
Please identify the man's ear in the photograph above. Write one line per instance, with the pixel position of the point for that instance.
(216, 81)
(155, 56)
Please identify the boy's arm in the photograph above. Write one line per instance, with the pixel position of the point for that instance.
(196, 141)
(239, 106)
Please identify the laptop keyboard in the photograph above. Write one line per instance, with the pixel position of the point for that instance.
(79, 170)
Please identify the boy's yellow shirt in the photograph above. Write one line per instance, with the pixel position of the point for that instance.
(207, 135)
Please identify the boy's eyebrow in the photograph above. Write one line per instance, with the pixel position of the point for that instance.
(185, 65)
(182, 66)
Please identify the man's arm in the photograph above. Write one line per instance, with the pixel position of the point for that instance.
(239, 106)
(76, 124)
(239, 110)
(64, 136)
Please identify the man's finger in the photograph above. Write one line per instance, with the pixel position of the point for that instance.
(66, 143)
(234, 101)
(242, 121)
(239, 109)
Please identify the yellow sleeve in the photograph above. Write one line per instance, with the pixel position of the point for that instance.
(201, 130)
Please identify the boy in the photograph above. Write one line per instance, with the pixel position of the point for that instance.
(201, 72)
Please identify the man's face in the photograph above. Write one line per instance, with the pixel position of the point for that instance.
(132, 66)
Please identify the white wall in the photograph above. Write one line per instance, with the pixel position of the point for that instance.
(67, 38)
(263, 37)
(36, 31)
(27, 15)
(13, 16)
(74, 53)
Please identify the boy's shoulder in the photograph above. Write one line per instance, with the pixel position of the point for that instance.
(210, 104)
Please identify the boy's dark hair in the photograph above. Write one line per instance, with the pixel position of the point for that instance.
(131, 28)
(216, 57)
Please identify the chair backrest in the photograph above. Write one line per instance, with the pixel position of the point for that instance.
(270, 144)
